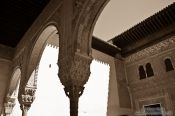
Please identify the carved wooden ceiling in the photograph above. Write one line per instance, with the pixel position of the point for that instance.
(16, 18)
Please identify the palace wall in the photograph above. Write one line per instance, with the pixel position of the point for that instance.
(158, 88)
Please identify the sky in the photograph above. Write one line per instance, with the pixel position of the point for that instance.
(50, 97)
(120, 15)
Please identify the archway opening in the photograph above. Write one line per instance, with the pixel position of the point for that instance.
(50, 97)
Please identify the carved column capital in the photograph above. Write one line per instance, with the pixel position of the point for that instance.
(26, 99)
(75, 70)
(73, 75)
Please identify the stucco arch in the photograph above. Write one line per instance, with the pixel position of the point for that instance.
(38, 47)
(14, 83)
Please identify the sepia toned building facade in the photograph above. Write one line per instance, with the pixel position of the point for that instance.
(141, 59)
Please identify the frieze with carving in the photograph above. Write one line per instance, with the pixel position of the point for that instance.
(155, 49)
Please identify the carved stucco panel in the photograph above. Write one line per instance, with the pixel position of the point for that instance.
(147, 52)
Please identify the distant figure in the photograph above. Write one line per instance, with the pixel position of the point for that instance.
(49, 65)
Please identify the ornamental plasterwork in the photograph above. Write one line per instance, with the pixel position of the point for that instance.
(27, 98)
(76, 71)
(155, 49)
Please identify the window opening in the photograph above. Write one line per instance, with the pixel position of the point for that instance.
(149, 70)
(168, 65)
(153, 110)
(142, 73)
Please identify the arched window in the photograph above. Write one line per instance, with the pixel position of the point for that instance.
(142, 73)
(168, 65)
(149, 70)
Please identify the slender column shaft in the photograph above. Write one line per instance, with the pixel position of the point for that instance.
(74, 92)
(24, 112)
(25, 109)
(74, 106)
(74, 98)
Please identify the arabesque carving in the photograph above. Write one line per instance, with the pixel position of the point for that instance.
(76, 70)
(155, 49)
(73, 76)
(26, 99)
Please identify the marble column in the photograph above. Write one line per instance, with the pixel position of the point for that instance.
(26, 99)
(73, 76)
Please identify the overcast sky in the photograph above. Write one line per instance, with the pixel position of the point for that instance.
(120, 15)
